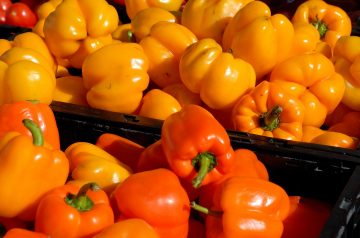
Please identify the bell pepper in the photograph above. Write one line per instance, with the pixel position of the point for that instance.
(349, 124)
(12, 114)
(337, 115)
(158, 104)
(24, 233)
(70, 89)
(134, 6)
(196, 228)
(132, 227)
(42, 11)
(246, 207)
(164, 46)
(310, 132)
(90, 163)
(183, 94)
(7, 224)
(76, 28)
(152, 157)
(32, 164)
(270, 111)
(331, 21)
(72, 211)
(312, 79)
(306, 39)
(208, 19)
(5, 45)
(157, 197)
(217, 76)
(258, 37)
(347, 63)
(337, 139)
(196, 145)
(125, 150)
(110, 88)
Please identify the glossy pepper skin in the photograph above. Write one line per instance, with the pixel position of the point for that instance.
(196, 145)
(208, 19)
(331, 21)
(116, 83)
(346, 59)
(150, 195)
(337, 139)
(312, 79)
(247, 207)
(12, 114)
(32, 164)
(270, 111)
(134, 6)
(258, 37)
(77, 28)
(73, 211)
(24, 233)
(217, 76)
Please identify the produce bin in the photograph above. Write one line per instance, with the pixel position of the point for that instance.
(321, 172)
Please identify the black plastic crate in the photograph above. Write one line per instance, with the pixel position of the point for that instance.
(321, 172)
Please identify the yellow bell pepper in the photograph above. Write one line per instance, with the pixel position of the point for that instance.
(42, 12)
(347, 63)
(90, 163)
(164, 46)
(79, 27)
(70, 89)
(123, 33)
(217, 76)
(4, 45)
(115, 77)
(134, 6)
(183, 94)
(208, 18)
(258, 37)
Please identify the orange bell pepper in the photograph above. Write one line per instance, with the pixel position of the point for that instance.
(310, 132)
(258, 37)
(331, 21)
(157, 197)
(196, 145)
(164, 46)
(306, 39)
(32, 164)
(336, 116)
(208, 19)
(70, 89)
(217, 76)
(72, 211)
(134, 6)
(311, 78)
(183, 94)
(349, 124)
(270, 111)
(116, 83)
(24, 233)
(337, 139)
(152, 157)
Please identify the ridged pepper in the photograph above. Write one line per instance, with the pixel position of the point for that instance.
(164, 46)
(134, 6)
(312, 79)
(42, 11)
(116, 83)
(208, 19)
(157, 197)
(246, 207)
(71, 211)
(12, 114)
(270, 111)
(29, 168)
(258, 37)
(217, 76)
(331, 21)
(196, 145)
(306, 39)
(346, 59)
(90, 163)
(79, 27)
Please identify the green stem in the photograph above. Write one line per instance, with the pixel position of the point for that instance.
(320, 27)
(270, 120)
(205, 210)
(81, 201)
(203, 163)
(37, 134)
(131, 36)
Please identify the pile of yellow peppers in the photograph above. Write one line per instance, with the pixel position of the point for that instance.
(292, 77)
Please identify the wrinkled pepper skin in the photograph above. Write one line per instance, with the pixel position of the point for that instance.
(312, 79)
(12, 114)
(217, 76)
(208, 18)
(151, 195)
(347, 63)
(116, 83)
(196, 145)
(72, 211)
(331, 21)
(76, 28)
(258, 37)
(29, 168)
(134, 6)
(270, 111)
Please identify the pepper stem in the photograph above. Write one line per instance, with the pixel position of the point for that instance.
(81, 201)
(37, 134)
(205, 210)
(203, 162)
(320, 27)
(270, 120)
(131, 36)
